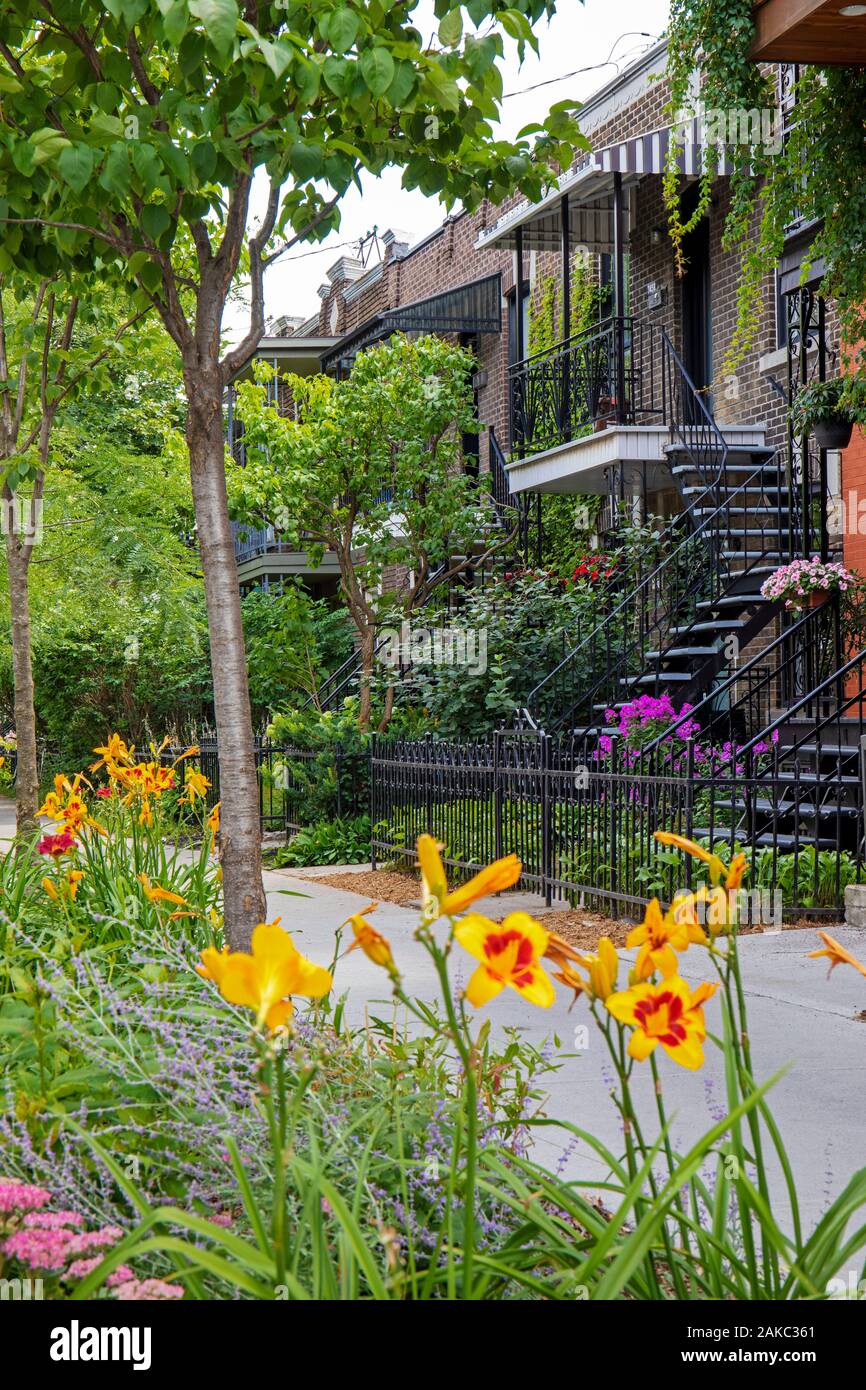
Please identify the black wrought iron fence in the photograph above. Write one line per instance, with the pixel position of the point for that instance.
(582, 817)
(298, 786)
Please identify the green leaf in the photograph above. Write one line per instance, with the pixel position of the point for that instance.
(377, 66)
(47, 144)
(278, 56)
(115, 176)
(343, 28)
(306, 160)
(76, 166)
(175, 21)
(155, 220)
(146, 165)
(451, 28)
(219, 19)
(204, 160)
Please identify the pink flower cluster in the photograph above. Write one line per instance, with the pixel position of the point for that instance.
(52, 1246)
(21, 1196)
(801, 577)
(54, 1242)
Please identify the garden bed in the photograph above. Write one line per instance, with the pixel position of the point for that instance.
(579, 926)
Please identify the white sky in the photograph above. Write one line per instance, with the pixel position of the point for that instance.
(581, 36)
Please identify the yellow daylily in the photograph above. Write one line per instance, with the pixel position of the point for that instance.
(196, 784)
(67, 888)
(213, 820)
(155, 894)
(836, 954)
(732, 873)
(660, 937)
(114, 750)
(213, 963)
(264, 979)
(603, 969)
(510, 954)
(438, 902)
(668, 1013)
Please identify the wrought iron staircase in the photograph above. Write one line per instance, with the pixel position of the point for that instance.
(673, 631)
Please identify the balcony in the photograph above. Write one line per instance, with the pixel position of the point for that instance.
(264, 558)
(615, 397)
(606, 375)
(809, 31)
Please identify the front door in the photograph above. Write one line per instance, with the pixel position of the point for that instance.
(697, 311)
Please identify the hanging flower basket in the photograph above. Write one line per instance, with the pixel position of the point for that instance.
(807, 583)
(822, 407)
(831, 432)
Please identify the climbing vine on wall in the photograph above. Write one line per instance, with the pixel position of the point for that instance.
(816, 173)
(546, 327)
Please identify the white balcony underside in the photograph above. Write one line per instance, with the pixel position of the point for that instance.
(581, 465)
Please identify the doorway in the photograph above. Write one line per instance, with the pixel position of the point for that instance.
(697, 309)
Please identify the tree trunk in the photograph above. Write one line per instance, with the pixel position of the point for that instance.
(27, 773)
(240, 829)
(365, 705)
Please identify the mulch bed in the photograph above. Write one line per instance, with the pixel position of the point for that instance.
(580, 927)
(377, 885)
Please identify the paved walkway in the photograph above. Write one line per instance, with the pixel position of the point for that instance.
(797, 1016)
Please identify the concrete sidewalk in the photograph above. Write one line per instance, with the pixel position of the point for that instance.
(797, 1017)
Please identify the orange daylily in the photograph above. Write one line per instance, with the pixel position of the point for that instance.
(213, 820)
(660, 937)
(155, 894)
(264, 979)
(67, 888)
(196, 784)
(114, 750)
(668, 1013)
(510, 954)
(836, 954)
(375, 946)
(438, 902)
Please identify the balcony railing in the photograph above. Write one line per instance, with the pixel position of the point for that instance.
(609, 374)
(251, 541)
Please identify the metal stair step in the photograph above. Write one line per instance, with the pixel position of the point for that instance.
(788, 808)
(674, 652)
(731, 601)
(669, 677)
(716, 625)
(766, 839)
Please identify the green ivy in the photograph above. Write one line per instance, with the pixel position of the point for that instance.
(819, 174)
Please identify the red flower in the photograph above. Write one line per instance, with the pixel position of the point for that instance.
(57, 845)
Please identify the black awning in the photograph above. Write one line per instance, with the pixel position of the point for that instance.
(472, 308)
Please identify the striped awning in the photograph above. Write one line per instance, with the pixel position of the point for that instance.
(589, 189)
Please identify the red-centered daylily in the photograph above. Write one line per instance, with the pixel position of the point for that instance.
(667, 1013)
(510, 954)
(659, 937)
(436, 899)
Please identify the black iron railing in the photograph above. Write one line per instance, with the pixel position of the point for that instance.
(610, 373)
(297, 786)
(582, 820)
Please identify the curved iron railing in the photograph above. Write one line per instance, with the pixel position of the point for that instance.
(705, 555)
